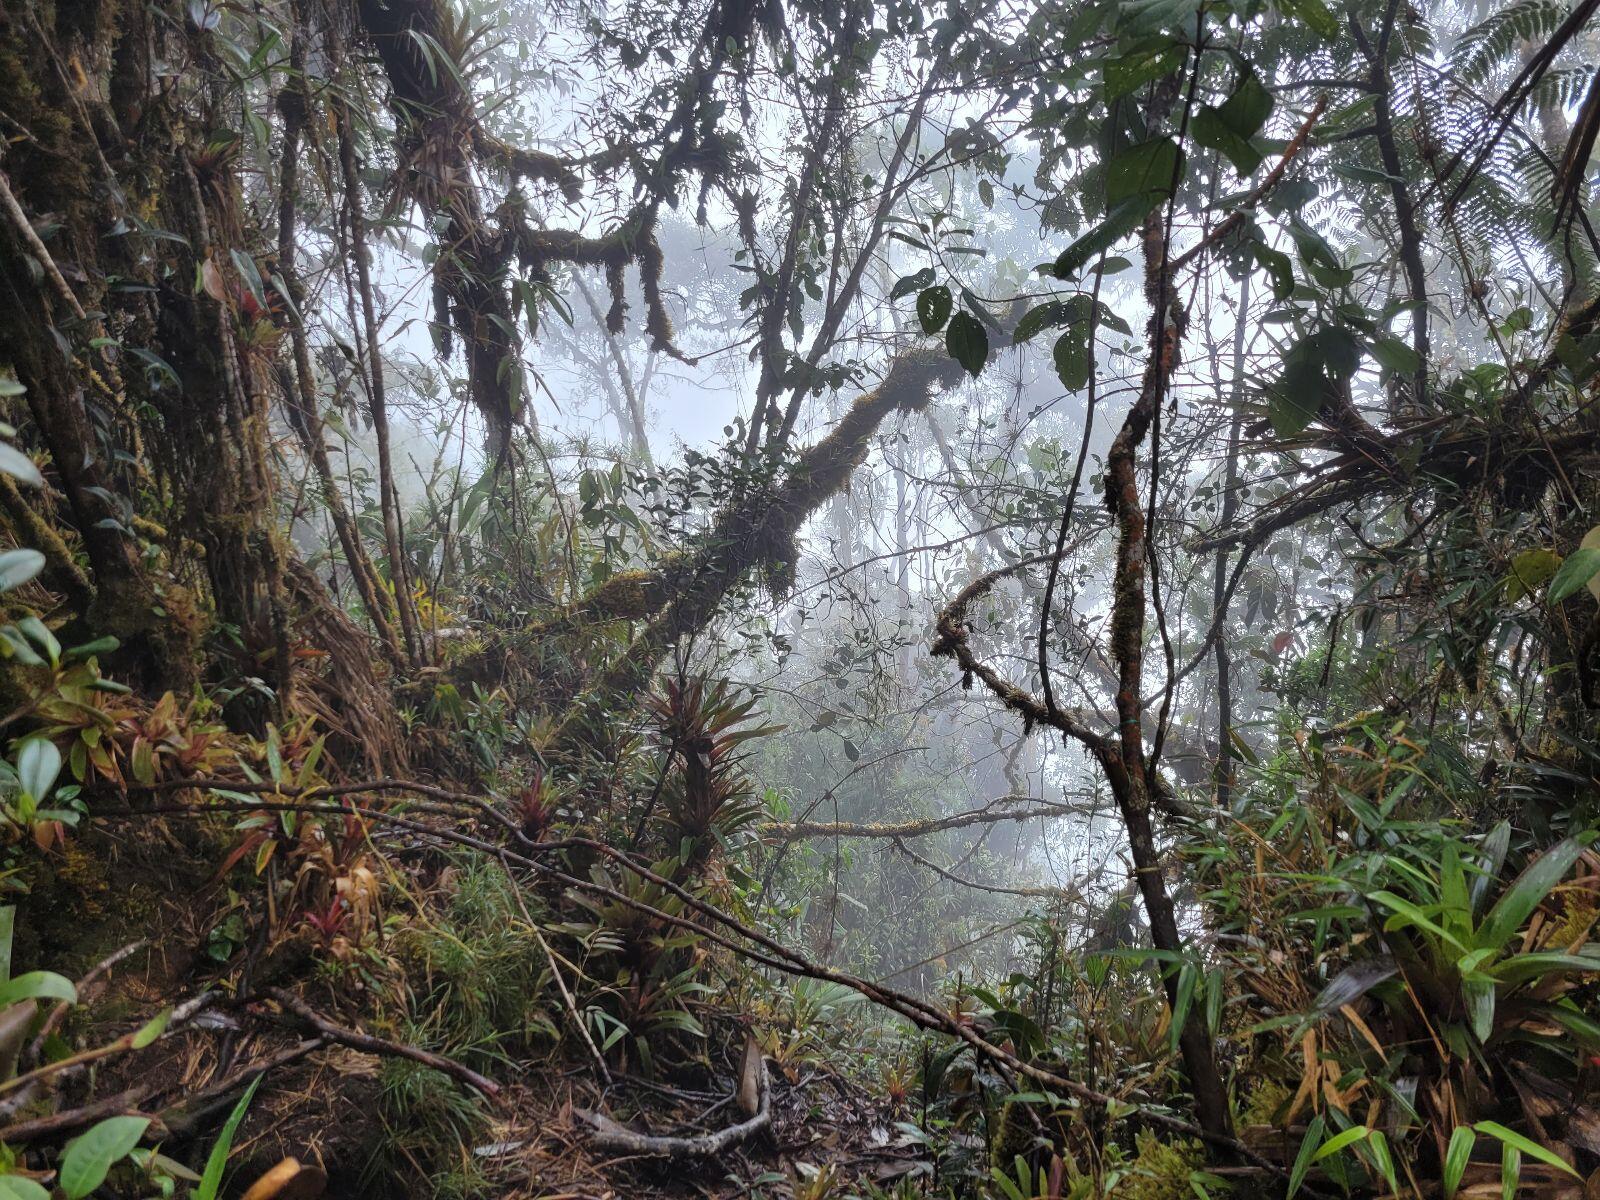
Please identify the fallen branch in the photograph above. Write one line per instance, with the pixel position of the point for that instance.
(618, 1139)
(369, 1044)
(73, 1119)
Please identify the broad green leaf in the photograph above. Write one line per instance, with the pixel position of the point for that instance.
(1506, 918)
(19, 466)
(1303, 1160)
(38, 765)
(912, 283)
(1456, 1159)
(1530, 570)
(1313, 14)
(1071, 356)
(1532, 1149)
(90, 1156)
(1042, 316)
(1120, 221)
(37, 985)
(1151, 169)
(933, 307)
(150, 1030)
(1339, 1141)
(1132, 70)
(1576, 571)
(1521, 968)
(1394, 355)
(1510, 1171)
(217, 1160)
(17, 567)
(19, 1187)
(1407, 913)
(967, 342)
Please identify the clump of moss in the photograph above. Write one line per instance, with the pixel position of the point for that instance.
(1266, 1100)
(1161, 1170)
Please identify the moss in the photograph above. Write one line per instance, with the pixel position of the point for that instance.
(1266, 1100)
(1161, 1170)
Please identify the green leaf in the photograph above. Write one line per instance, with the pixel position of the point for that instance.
(1150, 169)
(90, 1156)
(1229, 126)
(1129, 71)
(37, 985)
(933, 308)
(1530, 570)
(1209, 129)
(1509, 913)
(8, 925)
(912, 283)
(1576, 570)
(1339, 1141)
(20, 1187)
(1510, 1171)
(1532, 1149)
(1122, 220)
(19, 466)
(150, 1030)
(967, 342)
(1303, 1160)
(1394, 355)
(17, 567)
(38, 765)
(1042, 316)
(1313, 14)
(1071, 356)
(1456, 1159)
(217, 1160)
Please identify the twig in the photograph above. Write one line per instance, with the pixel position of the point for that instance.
(614, 1138)
(369, 1044)
(73, 1118)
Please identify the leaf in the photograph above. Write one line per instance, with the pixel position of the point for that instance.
(1395, 356)
(217, 1160)
(967, 342)
(1229, 126)
(37, 985)
(1532, 1149)
(20, 1187)
(150, 1030)
(1120, 221)
(1530, 570)
(1042, 316)
(1302, 1160)
(17, 567)
(1071, 356)
(1354, 982)
(912, 283)
(1313, 14)
(1509, 913)
(933, 308)
(1129, 71)
(90, 1156)
(1577, 570)
(38, 765)
(19, 466)
(1456, 1159)
(1339, 1141)
(1150, 169)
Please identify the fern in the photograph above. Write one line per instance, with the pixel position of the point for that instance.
(1484, 48)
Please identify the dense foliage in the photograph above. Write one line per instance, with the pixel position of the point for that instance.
(800, 597)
